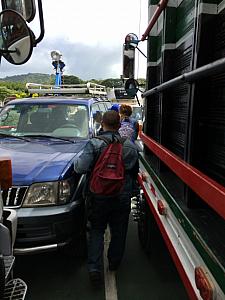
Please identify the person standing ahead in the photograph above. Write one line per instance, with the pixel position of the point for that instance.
(112, 211)
(129, 127)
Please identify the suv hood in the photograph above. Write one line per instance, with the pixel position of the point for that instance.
(38, 162)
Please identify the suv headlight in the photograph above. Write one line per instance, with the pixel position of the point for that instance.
(48, 193)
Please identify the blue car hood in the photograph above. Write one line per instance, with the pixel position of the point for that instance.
(38, 162)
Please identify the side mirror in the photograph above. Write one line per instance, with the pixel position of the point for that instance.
(131, 40)
(15, 38)
(131, 87)
(97, 116)
(128, 61)
(26, 8)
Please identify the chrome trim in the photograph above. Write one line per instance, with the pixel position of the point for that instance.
(16, 196)
(15, 202)
(39, 249)
(8, 196)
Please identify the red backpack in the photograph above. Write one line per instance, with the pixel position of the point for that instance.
(107, 177)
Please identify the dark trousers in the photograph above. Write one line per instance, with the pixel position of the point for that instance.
(115, 213)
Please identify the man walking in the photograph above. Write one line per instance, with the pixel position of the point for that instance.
(113, 211)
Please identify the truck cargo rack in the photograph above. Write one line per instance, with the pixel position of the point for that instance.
(89, 88)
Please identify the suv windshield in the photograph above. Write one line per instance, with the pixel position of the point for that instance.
(57, 120)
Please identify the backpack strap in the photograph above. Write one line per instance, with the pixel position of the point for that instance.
(114, 138)
(103, 138)
(120, 139)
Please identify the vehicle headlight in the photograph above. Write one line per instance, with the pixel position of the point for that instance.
(64, 191)
(48, 193)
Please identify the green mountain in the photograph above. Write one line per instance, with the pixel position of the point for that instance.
(30, 77)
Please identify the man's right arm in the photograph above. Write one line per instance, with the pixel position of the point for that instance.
(84, 163)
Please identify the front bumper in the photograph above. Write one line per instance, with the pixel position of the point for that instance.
(48, 228)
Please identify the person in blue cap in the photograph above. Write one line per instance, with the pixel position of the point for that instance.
(115, 107)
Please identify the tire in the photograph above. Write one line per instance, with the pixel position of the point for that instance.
(147, 227)
(2, 277)
(77, 247)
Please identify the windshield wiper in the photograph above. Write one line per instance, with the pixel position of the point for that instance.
(13, 136)
(48, 136)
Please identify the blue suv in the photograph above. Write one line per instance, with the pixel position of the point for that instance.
(43, 136)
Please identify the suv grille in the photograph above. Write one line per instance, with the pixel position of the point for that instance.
(14, 196)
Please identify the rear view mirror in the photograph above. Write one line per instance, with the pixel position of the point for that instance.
(131, 87)
(26, 8)
(15, 38)
(128, 61)
(131, 40)
(97, 116)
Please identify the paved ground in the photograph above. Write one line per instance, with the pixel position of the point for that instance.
(56, 277)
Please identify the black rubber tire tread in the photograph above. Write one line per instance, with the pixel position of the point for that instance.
(147, 229)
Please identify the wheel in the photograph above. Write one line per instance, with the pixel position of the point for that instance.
(77, 247)
(69, 126)
(143, 226)
(2, 277)
(62, 130)
(147, 227)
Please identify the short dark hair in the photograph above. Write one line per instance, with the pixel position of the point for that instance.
(126, 110)
(111, 119)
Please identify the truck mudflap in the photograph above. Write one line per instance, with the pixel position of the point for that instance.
(187, 258)
(15, 289)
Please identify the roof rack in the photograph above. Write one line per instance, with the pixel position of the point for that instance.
(86, 88)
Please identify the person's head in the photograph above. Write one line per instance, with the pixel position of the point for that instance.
(115, 107)
(111, 121)
(125, 110)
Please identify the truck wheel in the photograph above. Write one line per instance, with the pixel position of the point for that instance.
(147, 227)
(144, 227)
(2, 277)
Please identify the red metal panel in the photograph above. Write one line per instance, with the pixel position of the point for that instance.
(209, 190)
(161, 6)
(179, 265)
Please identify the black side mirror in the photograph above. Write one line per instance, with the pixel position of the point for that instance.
(26, 8)
(131, 87)
(97, 116)
(15, 38)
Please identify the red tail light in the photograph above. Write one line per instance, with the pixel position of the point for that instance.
(152, 190)
(203, 284)
(161, 207)
(144, 176)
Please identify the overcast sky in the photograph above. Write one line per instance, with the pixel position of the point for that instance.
(89, 34)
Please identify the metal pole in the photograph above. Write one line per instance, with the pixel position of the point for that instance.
(210, 69)
(161, 6)
(42, 29)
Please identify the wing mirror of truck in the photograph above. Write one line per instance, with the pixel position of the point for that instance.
(131, 87)
(26, 8)
(16, 39)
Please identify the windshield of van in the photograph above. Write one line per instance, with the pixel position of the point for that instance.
(56, 120)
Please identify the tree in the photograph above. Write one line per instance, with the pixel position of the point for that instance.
(70, 79)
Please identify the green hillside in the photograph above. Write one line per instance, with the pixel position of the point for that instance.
(30, 77)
